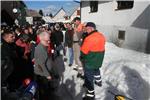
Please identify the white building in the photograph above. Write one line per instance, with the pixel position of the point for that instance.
(47, 19)
(60, 16)
(125, 23)
(29, 20)
(33, 16)
(76, 13)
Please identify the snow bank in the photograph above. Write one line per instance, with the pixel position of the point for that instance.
(124, 72)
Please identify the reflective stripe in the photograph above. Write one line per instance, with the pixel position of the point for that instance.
(90, 95)
(98, 76)
(90, 91)
(98, 80)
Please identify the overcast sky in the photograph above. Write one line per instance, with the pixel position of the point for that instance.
(52, 6)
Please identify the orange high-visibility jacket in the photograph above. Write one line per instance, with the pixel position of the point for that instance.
(92, 50)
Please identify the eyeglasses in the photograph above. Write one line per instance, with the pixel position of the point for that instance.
(47, 41)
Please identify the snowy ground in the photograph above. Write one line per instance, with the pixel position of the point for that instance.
(124, 72)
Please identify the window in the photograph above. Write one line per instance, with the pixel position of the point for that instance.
(78, 12)
(125, 4)
(94, 6)
(121, 35)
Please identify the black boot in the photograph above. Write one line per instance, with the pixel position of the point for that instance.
(89, 96)
(98, 83)
(65, 59)
(79, 75)
(70, 65)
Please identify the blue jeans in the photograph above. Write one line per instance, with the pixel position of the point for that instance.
(71, 55)
(89, 75)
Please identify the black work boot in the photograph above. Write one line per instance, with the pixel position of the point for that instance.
(84, 85)
(89, 96)
(98, 83)
(65, 59)
(79, 75)
(70, 65)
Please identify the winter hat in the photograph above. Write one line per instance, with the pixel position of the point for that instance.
(90, 24)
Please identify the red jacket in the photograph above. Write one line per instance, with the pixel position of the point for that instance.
(22, 44)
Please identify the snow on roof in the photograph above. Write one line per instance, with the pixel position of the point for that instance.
(61, 9)
(47, 19)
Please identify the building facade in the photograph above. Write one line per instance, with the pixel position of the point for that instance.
(60, 15)
(76, 13)
(33, 17)
(125, 23)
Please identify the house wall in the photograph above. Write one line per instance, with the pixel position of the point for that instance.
(60, 16)
(29, 20)
(75, 14)
(135, 22)
(47, 19)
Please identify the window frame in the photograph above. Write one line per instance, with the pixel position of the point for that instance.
(123, 5)
(121, 34)
(93, 6)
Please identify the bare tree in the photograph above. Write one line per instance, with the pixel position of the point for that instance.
(41, 12)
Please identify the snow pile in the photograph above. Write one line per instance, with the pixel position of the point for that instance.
(124, 72)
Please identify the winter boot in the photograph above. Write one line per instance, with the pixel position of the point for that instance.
(70, 65)
(79, 75)
(84, 85)
(88, 98)
(65, 59)
(98, 83)
(90, 95)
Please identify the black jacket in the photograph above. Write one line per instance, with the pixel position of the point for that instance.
(57, 38)
(69, 38)
(9, 55)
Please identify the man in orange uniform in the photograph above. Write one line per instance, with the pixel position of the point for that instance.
(92, 54)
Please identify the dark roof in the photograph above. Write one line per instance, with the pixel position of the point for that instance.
(32, 13)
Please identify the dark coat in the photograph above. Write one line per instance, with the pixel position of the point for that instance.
(57, 37)
(69, 38)
(8, 49)
(12, 73)
(7, 59)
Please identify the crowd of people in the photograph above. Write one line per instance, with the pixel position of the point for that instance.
(34, 52)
